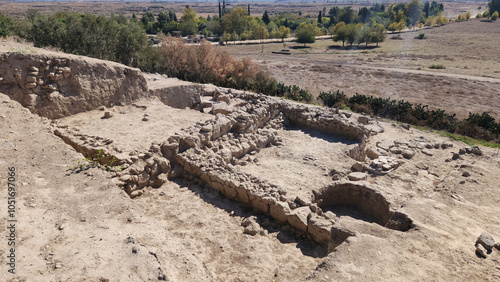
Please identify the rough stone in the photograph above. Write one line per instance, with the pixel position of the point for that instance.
(252, 229)
(480, 250)
(486, 241)
(357, 176)
(357, 167)
(222, 108)
(385, 144)
(298, 218)
(427, 152)
(374, 153)
(408, 153)
(363, 119)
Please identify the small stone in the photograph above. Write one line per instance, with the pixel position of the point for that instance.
(357, 167)
(456, 156)
(58, 265)
(136, 193)
(385, 144)
(405, 126)
(107, 115)
(363, 120)
(408, 154)
(465, 174)
(486, 241)
(135, 250)
(329, 215)
(497, 245)
(303, 201)
(427, 152)
(252, 229)
(247, 221)
(480, 250)
(357, 176)
(445, 145)
(476, 151)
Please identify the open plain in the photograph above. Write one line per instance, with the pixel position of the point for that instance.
(400, 68)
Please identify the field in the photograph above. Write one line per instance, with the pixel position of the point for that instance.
(399, 68)
(18, 9)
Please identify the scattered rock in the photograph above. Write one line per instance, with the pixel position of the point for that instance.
(107, 115)
(357, 176)
(252, 229)
(298, 218)
(221, 108)
(374, 153)
(497, 246)
(363, 120)
(456, 156)
(465, 174)
(408, 153)
(446, 145)
(386, 145)
(357, 167)
(476, 151)
(427, 152)
(405, 126)
(486, 241)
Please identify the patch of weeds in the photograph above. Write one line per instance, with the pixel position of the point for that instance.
(26, 50)
(437, 67)
(457, 137)
(346, 108)
(111, 163)
(421, 36)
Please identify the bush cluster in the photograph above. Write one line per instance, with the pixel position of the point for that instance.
(480, 126)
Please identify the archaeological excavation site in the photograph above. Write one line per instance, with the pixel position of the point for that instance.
(130, 176)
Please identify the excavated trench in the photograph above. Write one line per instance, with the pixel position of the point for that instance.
(218, 150)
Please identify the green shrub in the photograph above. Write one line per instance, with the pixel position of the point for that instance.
(421, 36)
(494, 16)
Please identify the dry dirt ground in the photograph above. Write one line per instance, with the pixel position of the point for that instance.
(78, 225)
(399, 68)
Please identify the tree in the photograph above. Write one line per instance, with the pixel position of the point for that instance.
(494, 6)
(378, 33)
(346, 15)
(306, 33)
(189, 22)
(147, 18)
(340, 33)
(265, 17)
(414, 11)
(237, 21)
(320, 18)
(353, 31)
(333, 13)
(364, 14)
(260, 32)
(220, 11)
(5, 25)
(494, 16)
(282, 32)
(248, 8)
